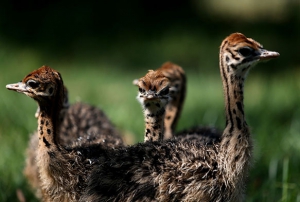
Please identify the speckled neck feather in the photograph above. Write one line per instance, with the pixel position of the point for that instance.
(177, 78)
(236, 145)
(153, 96)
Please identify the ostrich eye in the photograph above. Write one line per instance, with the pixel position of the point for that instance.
(33, 84)
(51, 90)
(164, 91)
(141, 90)
(246, 51)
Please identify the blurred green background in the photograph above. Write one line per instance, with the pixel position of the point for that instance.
(100, 47)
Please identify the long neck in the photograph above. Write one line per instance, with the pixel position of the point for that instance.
(48, 150)
(174, 106)
(154, 123)
(236, 146)
(234, 103)
(48, 126)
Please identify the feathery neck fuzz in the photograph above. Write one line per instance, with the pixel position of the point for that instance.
(238, 54)
(153, 96)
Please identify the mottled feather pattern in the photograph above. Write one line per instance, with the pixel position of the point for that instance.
(63, 151)
(205, 135)
(186, 170)
(90, 125)
(153, 96)
(177, 78)
(169, 170)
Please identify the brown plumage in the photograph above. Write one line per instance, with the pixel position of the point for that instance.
(177, 82)
(173, 170)
(178, 88)
(88, 125)
(201, 134)
(78, 125)
(177, 78)
(153, 96)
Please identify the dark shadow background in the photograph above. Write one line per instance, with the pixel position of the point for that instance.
(122, 31)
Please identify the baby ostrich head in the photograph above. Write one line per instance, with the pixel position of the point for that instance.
(153, 96)
(239, 53)
(43, 85)
(153, 90)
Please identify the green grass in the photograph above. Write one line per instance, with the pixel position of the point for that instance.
(271, 103)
